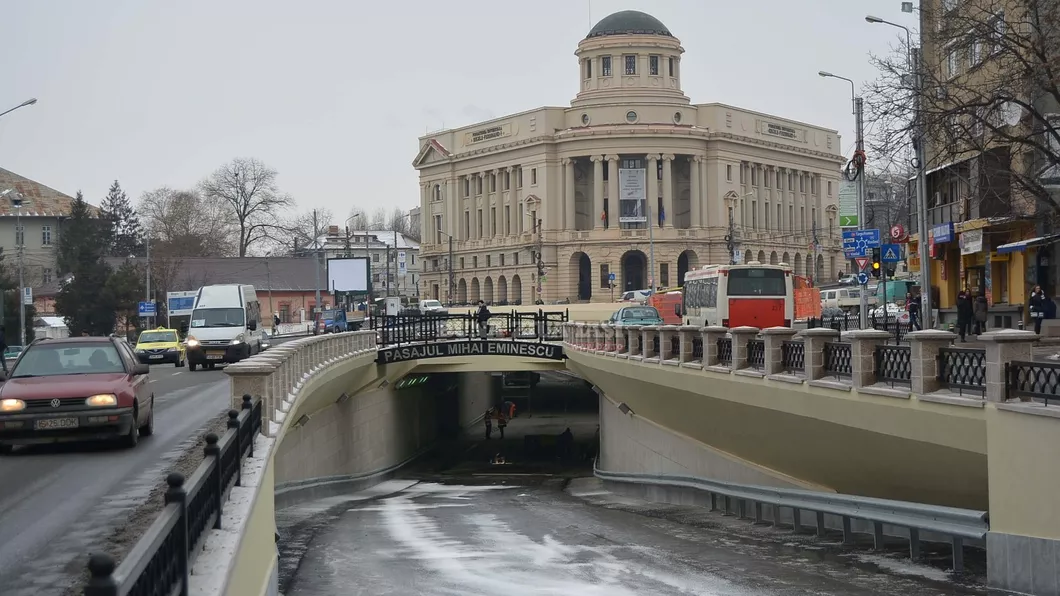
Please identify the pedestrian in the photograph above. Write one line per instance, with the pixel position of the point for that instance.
(509, 407)
(3, 348)
(566, 443)
(980, 310)
(483, 318)
(912, 303)
(488, 419)
(1039, 307)
(275, 323)
(964, 313)
(502, 421)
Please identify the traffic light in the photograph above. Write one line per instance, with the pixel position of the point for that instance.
(875, 262)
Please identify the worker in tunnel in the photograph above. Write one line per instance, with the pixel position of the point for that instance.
(488, 420)
(566, 444)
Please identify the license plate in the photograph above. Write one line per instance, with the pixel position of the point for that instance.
(55, 423)
(156, 356)
(214, 356)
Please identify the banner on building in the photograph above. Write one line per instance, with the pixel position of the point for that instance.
(402, 265)
(632, 188)
(971, 242)
(848, 204)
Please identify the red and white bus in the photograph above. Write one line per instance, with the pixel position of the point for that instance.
(751, 294)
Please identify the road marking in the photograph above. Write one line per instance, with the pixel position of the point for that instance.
(177, 373)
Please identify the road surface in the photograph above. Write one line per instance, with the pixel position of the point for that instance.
(534, 539)
(58, 501)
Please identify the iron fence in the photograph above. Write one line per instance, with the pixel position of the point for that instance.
(697, 348)
(675, 346)
(1032, 380)
(962, 369)
(725, 351)
(893, 365)
(756, 354)
(160, 562)
(844, 322)
(431, 327)
(837, 359)
(793, 354)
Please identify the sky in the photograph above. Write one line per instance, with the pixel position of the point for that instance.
(334, 94)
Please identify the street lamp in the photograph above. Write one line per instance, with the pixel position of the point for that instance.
(853, 101)
(28, 102)
(451, 290)
(921, 179)
(20, 242)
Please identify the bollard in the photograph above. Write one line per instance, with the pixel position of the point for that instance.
(217, 478)
(101, 569)
(248, 404)
(176, 494)
(233, 423)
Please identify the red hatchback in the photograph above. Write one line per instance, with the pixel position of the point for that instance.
(76, 389)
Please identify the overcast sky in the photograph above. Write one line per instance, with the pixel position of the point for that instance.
(334, 93)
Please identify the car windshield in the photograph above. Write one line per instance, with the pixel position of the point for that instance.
(645, 312)
(46, 360)
(217, 317)
(431, 304)
(329, 314)
(158, 337)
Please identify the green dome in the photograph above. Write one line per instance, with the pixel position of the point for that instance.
(629, 22)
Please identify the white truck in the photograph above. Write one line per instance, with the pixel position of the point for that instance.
(225, 326)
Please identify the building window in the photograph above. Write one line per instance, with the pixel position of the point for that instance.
(478, 219)
(791, 218)
(791, 181)
(507, 219)
(754, 176)
(743, 175)
(998, 25)
(493, 183)
(478, 186)
(766, 215)
(953, 63)
(780, 216)
(653, 66)
(605, 66)
(46, 276)
(813, 185)
(802, 183)
(493, 221)
(502, 259)
(519, 178)
(975, 53)
(671, 62)
(754, 215)
(778, 180)
(605, 277)
(728, 172)
(664, 275)
(765, 179)
(467, 186)
(375, 278)
(533, 176)
(630, 64)
(508, 181)
(515, 258)
(474, 262)
(437, 229)
(467, 225)
(829, 188)
(588, 68)
(285, 312)
(375, 258)
(489, 260)
(461, 262)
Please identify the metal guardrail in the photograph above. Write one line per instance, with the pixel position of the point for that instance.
(1032, 380)
(963, 369)
(957, 524)
(160, 562)
(431, 327)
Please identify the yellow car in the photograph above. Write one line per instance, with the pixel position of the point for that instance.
(156, 346)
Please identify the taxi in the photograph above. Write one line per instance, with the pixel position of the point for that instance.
(157, 346)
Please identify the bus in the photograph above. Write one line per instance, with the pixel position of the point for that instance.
(751, 294)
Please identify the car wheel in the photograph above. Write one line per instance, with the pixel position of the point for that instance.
(132, 438)
(148, 428)
(6, 449)
(191, 366)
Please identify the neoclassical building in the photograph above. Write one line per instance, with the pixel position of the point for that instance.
(548, 204)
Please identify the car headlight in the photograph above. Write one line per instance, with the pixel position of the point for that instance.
(102, 400)
(238, 339)
(191, 342)
(12, 405)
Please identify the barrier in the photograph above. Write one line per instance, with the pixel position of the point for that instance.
(538, 326)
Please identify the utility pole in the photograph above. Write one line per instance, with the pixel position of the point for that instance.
(316, 259)
(147, 277)
(813, 269)
(396, 293)
(859, 184)
(540, 257)
(651, 252)
(921, 194)
(21, 279)
(450, 270)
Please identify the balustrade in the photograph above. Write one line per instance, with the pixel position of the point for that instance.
(861, 360)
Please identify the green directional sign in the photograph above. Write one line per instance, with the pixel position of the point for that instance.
(848, 204)
(848, 221)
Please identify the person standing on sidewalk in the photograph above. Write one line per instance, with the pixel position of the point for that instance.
(980, 310)
(964, 314)
(3, 348)
(912, 304)
(1038, 308)
(483, 318)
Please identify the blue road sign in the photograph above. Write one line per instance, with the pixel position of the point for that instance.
(610, 277)
(147, 309)
(891, 253)
(863, 278)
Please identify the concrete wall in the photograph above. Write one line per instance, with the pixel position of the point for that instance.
(634, 444)
(476, 394)
(254, 571)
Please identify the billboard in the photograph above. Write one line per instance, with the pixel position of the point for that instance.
(348, 274)
(632, 187)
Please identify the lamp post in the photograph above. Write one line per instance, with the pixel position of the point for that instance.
(20, 242)
(916, 78)
(859, 177)
(449, 266)
(28, 102)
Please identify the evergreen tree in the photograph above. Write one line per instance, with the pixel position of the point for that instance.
(10, 292)
(126, 287)
(86, 300)
(125, 237)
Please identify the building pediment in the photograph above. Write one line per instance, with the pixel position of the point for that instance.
(431, 152)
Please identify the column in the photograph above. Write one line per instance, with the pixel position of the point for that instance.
(598, 191)
(498, 205)
(513, 202)
(773, 339)
(612, 190)
(695, 197)
(740, 337)
(863, 344)
(813, 341)
(923, 358)
(1003, 347)
(570, 215)
(652, 196)
(476, 208)
(668, 190)
(707, 188)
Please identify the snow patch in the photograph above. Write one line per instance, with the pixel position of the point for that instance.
(905, 567)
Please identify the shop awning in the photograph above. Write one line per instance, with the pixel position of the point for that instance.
(1025, 244)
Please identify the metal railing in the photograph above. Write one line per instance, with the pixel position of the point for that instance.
(432, 327)
(697, 349)
(838, 359)
(725, 351)
(962, 369)
(957, 524)
(675, 346)
(1032, 381)
(160, 562)
(844, 322)
(756, 354)
(793, 357)
(893, 365)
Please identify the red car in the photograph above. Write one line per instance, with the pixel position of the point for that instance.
(75, 389)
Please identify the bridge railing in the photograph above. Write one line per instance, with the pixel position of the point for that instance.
(160, 562)
(860, 359)
(538, 326)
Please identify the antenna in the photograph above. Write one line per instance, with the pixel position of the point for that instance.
(589, 4)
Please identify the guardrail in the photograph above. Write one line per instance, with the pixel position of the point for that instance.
(430, 327)
(1033, 380)
(956, 524)
(160, 562)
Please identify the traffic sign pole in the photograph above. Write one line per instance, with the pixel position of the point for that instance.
(859, 134)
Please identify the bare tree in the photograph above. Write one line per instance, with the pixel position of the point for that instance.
(247, 187)
(990, 101)
(357, 221)
(182, 223)
(304, 230)
(379, 219)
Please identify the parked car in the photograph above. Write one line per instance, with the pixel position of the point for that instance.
(848, 280)
(12, 352)
(72, 389)
(266, 340)
(636, 315)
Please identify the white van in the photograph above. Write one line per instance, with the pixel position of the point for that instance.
(225, 325)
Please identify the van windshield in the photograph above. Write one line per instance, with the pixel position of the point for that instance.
(218, 317)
